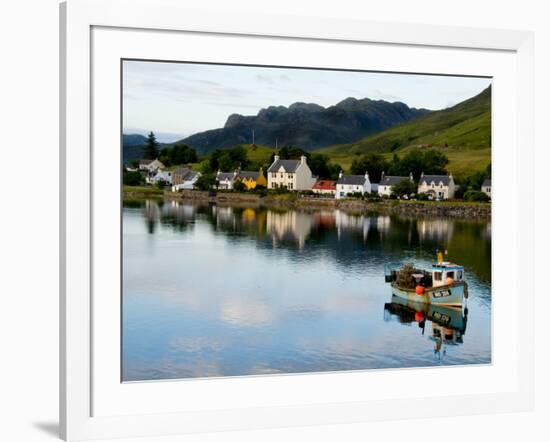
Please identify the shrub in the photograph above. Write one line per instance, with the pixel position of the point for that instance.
(476, 196)
(239, 186)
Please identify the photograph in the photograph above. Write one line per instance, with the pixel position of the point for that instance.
(281, 220)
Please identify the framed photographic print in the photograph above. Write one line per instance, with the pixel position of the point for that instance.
(282, 221)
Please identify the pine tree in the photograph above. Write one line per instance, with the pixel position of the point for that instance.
(151, 149)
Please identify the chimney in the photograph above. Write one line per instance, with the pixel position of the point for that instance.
(366, 175)
(411, 176)
(341, 174)
(303, 159)
(275, 158)
(219, 171)
(422, 175)
(382, 177)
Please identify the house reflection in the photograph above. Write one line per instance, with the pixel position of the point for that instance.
(439, 230)
(362, 224)
(289, 226)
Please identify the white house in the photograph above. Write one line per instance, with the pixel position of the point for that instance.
(440, 187)
(486, 187)
(150, 165)
(291, 174)
(160, 175)
(225, 180)
(351, 184)
(388, 181)
(184, 178)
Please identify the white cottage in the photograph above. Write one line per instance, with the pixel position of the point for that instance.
(150, 165)
(486, 187)
(225, 180)
(160, 175)
(290, 174)
(437, 187)
(388, 181)
(184, 178)
(347, 184)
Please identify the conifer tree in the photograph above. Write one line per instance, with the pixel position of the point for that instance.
(151, 149)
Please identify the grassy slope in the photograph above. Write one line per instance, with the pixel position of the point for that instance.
(462, 132)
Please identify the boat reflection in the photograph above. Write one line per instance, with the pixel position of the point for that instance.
(447, 324)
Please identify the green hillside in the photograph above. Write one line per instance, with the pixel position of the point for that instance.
(462, 132)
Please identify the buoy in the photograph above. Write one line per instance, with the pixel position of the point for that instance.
(419, 290)
(418, 316)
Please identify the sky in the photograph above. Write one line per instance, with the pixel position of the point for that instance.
(176, 100)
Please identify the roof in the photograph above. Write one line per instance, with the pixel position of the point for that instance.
(224, 176)
(287, 165)
(445, 179)
(185, 173)
(355, 180)
(325, 185)
(389, 180)
(486, 183)
(248, 175)
(145, 162)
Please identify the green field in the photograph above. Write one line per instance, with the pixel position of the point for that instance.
(461, 132)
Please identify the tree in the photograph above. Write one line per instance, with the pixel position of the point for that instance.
(178, 154)
(132, 178)
(476, 195)
(151, 149)
(206, 181)
(432, 162)
(227, 159)
(373, 163)
(239, 186)
(404, 187)
(321, 167)
(290, 153)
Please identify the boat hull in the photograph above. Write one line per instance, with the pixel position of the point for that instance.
(446, 295)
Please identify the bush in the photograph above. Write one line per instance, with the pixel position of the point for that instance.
(239, 186)
(161, 184)
(132, 178)
(404, 187)
(422, 197)
(476, 196)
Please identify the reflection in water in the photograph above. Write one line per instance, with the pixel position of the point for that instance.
(448, 324)
(225, 291)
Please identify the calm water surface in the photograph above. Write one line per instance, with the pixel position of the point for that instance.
(225, 291)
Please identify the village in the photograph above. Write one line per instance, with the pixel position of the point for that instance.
(294, 175)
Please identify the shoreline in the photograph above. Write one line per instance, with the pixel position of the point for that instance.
(437, 209)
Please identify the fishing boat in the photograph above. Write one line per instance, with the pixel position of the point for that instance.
(441, 284)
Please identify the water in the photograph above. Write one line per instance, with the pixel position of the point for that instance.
(226, 291)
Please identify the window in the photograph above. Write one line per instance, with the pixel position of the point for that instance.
(459, 274)
(290, 185)
(451, 275)
(437, 276)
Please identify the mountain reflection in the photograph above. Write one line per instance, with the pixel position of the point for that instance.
(351, 239)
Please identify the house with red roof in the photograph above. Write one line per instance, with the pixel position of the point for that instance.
(325, 187)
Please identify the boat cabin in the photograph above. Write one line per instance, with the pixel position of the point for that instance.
(446, 273)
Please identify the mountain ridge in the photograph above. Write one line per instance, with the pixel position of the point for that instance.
(307, 125)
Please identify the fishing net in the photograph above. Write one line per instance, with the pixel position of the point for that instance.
(405, 276)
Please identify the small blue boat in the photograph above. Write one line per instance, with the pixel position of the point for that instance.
(441, 284)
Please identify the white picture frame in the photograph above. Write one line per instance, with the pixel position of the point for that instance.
(84, 391)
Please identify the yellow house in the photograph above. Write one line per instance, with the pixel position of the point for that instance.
(251, 179)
